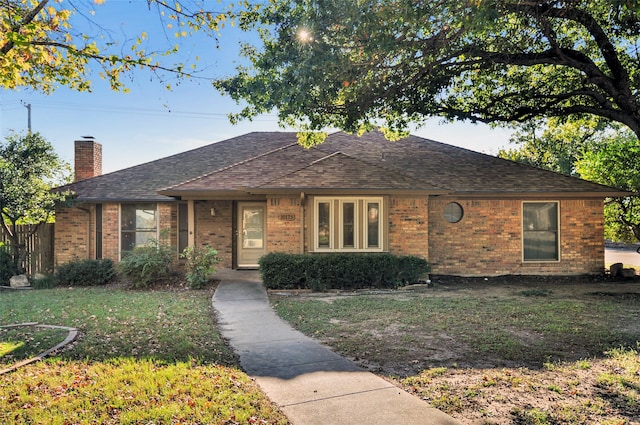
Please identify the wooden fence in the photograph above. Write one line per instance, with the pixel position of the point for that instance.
(39, 245)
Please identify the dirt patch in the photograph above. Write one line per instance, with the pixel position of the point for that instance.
(504, 350)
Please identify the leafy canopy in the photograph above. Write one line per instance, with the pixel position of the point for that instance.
(45, 44)
(556, 144)
(614, 162)
(352, 64)
(29, 169)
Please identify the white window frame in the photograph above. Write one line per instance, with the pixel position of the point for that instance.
(558, 233)
(356, 224)
(361, 234)
(366, 221)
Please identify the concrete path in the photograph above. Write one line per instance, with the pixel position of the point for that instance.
(310, 383)
(626, 255)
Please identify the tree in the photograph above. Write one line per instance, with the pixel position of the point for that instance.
(353, 64)
(29, 168)
(41, 48)
(614, 162)
(556, 144)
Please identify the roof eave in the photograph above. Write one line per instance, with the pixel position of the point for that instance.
(542, 195)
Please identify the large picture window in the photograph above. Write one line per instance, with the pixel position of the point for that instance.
(348, 224)
(540, 231)
(138, 225)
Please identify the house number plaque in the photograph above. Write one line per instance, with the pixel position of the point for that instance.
(287, 217)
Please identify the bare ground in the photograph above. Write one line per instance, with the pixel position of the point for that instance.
(576, 385)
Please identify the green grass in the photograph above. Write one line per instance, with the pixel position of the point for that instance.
(563, 354)
(141, 357)
(530, 330)
(163, 325)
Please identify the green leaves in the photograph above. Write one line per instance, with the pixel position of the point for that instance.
(614, 162)
(396, 62)
(43, 44)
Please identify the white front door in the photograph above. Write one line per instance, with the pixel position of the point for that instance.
(252, 227)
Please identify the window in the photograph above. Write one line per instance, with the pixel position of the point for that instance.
(138, 225)
(453, 212)
(540, 231)
(183, 226)
(98, 231)
(347, 224)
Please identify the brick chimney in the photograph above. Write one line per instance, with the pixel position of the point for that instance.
(88, 158)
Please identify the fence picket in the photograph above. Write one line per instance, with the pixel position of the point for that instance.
(40, 246)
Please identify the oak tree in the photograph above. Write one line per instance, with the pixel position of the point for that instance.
(354, 64)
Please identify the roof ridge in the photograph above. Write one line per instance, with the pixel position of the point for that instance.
(228, 167)
(325, 157)
(353, 158)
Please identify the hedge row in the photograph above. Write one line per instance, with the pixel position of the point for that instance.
(321, 272)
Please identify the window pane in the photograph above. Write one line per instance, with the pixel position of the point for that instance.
(324, 224)
(138, 224)
(252, 227)
(540, 231)
(541, 246)
(373, 220)
(541, 216)
(98, 231)
(183, 226)
(348, 217)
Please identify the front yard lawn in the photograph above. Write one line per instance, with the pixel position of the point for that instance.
(492, 352)
(141, 357)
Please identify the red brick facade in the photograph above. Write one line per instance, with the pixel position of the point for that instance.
(408, 226)
(87, 159)
(75, 230)
(216, 230)
(486, 242)
(285, 225)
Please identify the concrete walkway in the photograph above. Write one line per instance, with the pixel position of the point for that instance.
(310, 383)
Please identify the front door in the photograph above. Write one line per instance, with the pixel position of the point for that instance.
(252, 226)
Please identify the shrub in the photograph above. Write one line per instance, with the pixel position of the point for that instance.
(283, 271)
(321, 272)
(7, 267)
(84, 273)
(147, 264)
(200, 264)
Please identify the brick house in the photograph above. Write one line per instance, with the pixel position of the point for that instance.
(467, 213)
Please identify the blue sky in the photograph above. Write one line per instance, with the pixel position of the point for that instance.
(151, 122)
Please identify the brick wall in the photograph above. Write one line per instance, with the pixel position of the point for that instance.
(110, 231)
(87, 159)
(215, 231)
(285, 222)
(408, 226)
(488, 240)
(75, 231)
(71, 235)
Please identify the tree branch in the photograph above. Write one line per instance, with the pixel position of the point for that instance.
(27, 19)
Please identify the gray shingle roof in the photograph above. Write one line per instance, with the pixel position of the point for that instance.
(272, 160)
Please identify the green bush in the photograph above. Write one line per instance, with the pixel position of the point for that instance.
(321, 272)
(147, 264)
(84, 273)
(7, 268)
(200, 264)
